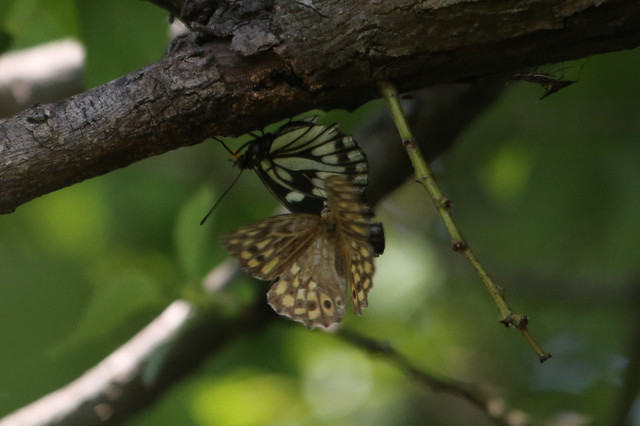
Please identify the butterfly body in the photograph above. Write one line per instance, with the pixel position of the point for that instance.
(318, 260)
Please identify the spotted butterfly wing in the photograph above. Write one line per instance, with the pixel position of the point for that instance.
(355, 251)
(312, 290)
(316, 258)
(295, 161)
(267, 247)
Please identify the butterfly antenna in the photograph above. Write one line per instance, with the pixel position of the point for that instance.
(238, 152)
(229, 150)
(220, 199)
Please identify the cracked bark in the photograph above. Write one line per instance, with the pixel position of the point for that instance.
(275, 59)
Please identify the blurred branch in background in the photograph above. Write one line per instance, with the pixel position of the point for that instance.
(492, 407)
(139, 372)
(174, 345)
(42, 74)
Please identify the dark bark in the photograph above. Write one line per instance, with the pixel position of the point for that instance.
(270, 60)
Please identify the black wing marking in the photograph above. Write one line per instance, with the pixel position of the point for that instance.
(295, 161)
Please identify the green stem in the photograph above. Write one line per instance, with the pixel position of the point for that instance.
(443, 205)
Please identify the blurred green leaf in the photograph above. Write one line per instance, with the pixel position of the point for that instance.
(116, 298)
(5, 8)
(506, 175)
(33, 22)
(5, 40)
(80, 235)
(247, 398)
(120, 36)
(194, 245)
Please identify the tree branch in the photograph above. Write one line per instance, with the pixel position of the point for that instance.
(175, 344)
(135, 375)
(280, 58)
(43, 73)
(490, 406)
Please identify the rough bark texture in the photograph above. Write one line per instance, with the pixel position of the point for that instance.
(257, 62)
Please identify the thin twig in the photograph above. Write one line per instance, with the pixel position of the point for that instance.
(492, 407)
(443, 205)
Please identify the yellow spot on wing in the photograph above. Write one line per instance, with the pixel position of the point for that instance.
(268, 267)
(288, 301)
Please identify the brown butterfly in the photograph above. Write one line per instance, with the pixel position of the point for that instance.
(313, 257)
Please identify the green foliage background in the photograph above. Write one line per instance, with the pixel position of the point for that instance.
(547, 194)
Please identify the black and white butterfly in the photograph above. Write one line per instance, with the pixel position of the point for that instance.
(295, 161)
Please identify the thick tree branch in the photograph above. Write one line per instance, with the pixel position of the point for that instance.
(284, 57)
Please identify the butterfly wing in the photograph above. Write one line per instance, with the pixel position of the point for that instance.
(311, 291)
(267, 248)
(313, 256)
(300, 250)
(353, 228)
(295, 161)
(360, 270)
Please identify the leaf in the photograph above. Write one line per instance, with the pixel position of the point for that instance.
(117, 298)
(120, 36)
(195, 246)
